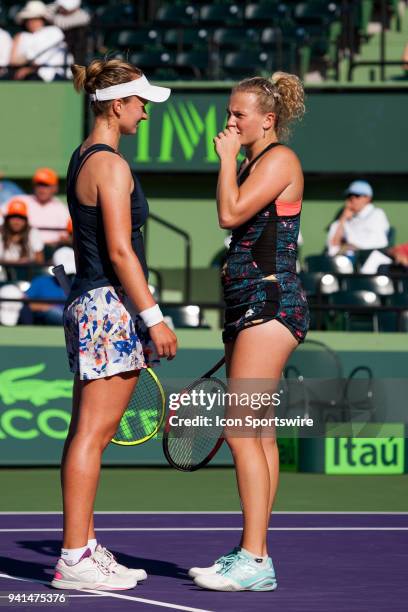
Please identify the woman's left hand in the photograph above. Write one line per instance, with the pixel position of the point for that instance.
(227, 143)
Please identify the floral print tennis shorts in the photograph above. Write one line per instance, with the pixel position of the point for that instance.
(104, 335)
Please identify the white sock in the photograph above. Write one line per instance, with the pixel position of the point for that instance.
(71, 556)
(92, 544)
(257, 557)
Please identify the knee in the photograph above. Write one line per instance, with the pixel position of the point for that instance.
(241, 446)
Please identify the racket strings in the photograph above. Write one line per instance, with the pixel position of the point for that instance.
(143, 414)
(189, 446)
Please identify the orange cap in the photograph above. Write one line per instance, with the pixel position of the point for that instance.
(46, 176)
(69, 226)
(16, 207)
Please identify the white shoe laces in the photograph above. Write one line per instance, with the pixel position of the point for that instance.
(106, 559)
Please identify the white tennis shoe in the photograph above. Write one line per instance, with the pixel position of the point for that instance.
(89, 573)
(216, 567)
(105, 557)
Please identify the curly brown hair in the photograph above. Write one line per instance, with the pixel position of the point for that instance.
(282, 94)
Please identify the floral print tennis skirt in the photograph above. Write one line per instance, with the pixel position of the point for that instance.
(104, 335)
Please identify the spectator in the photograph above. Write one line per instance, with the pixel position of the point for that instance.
(361, 225)
(44, 209)
(5, 50)
(46, 287)
(19, 243)
(40, 45)
(8, 189)
(73, 21)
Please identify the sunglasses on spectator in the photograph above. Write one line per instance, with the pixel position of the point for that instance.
(42, 184)
(354, 195)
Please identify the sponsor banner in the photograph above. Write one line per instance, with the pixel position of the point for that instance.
(382, 454)
(179, 134)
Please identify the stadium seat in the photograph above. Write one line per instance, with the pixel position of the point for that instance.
(221, 14)
(389, 321)
(184, 39)
(135, 39)
(118, 14)
(192, 63)
(316, 13)
(176, 15)
(266, 13)
(356, 321)
(151, 59)
(381, 285)
(243, 64)
(235, 38)
(184, 317)
(323, 263)
(283, 47)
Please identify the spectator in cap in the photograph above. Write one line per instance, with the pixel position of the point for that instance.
(46, 287)
(73, 21)
(19, 243)
(41, 45)
(45, 211)
(360, 225)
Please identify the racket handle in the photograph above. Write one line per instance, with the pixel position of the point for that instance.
(62, 278)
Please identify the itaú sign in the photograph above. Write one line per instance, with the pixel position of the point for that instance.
(382, 454)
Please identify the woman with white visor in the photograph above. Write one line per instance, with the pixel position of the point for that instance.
(113, 327)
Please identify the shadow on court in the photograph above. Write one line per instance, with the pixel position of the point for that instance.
(155, 567)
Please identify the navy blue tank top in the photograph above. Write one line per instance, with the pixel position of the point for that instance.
(94, 268)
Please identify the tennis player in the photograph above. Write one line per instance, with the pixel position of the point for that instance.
(113, 327)
(266, 310)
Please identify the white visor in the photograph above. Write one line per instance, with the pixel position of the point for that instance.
(138, 87)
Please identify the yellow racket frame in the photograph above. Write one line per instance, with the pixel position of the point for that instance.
(160, 421)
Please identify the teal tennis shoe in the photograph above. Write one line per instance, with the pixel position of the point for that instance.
(217, 566)
(241, 573)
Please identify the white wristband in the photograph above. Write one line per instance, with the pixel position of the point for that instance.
(151, 316)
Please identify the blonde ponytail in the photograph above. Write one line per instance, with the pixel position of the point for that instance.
(282, 94)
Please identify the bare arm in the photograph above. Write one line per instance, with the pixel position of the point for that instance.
(272, 175)
(114, 186)
(338, 236)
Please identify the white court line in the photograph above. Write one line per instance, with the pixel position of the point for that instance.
(198, 512)
(154, 529)
(152, 602)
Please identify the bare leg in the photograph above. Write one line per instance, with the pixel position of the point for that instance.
(94, 421)
(259, 352)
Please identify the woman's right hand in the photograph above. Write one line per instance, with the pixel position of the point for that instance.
(164, 340)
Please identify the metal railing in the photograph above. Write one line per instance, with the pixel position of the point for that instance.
(187, 249)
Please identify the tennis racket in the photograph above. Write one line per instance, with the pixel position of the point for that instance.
(189, 448)
(146, 409)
